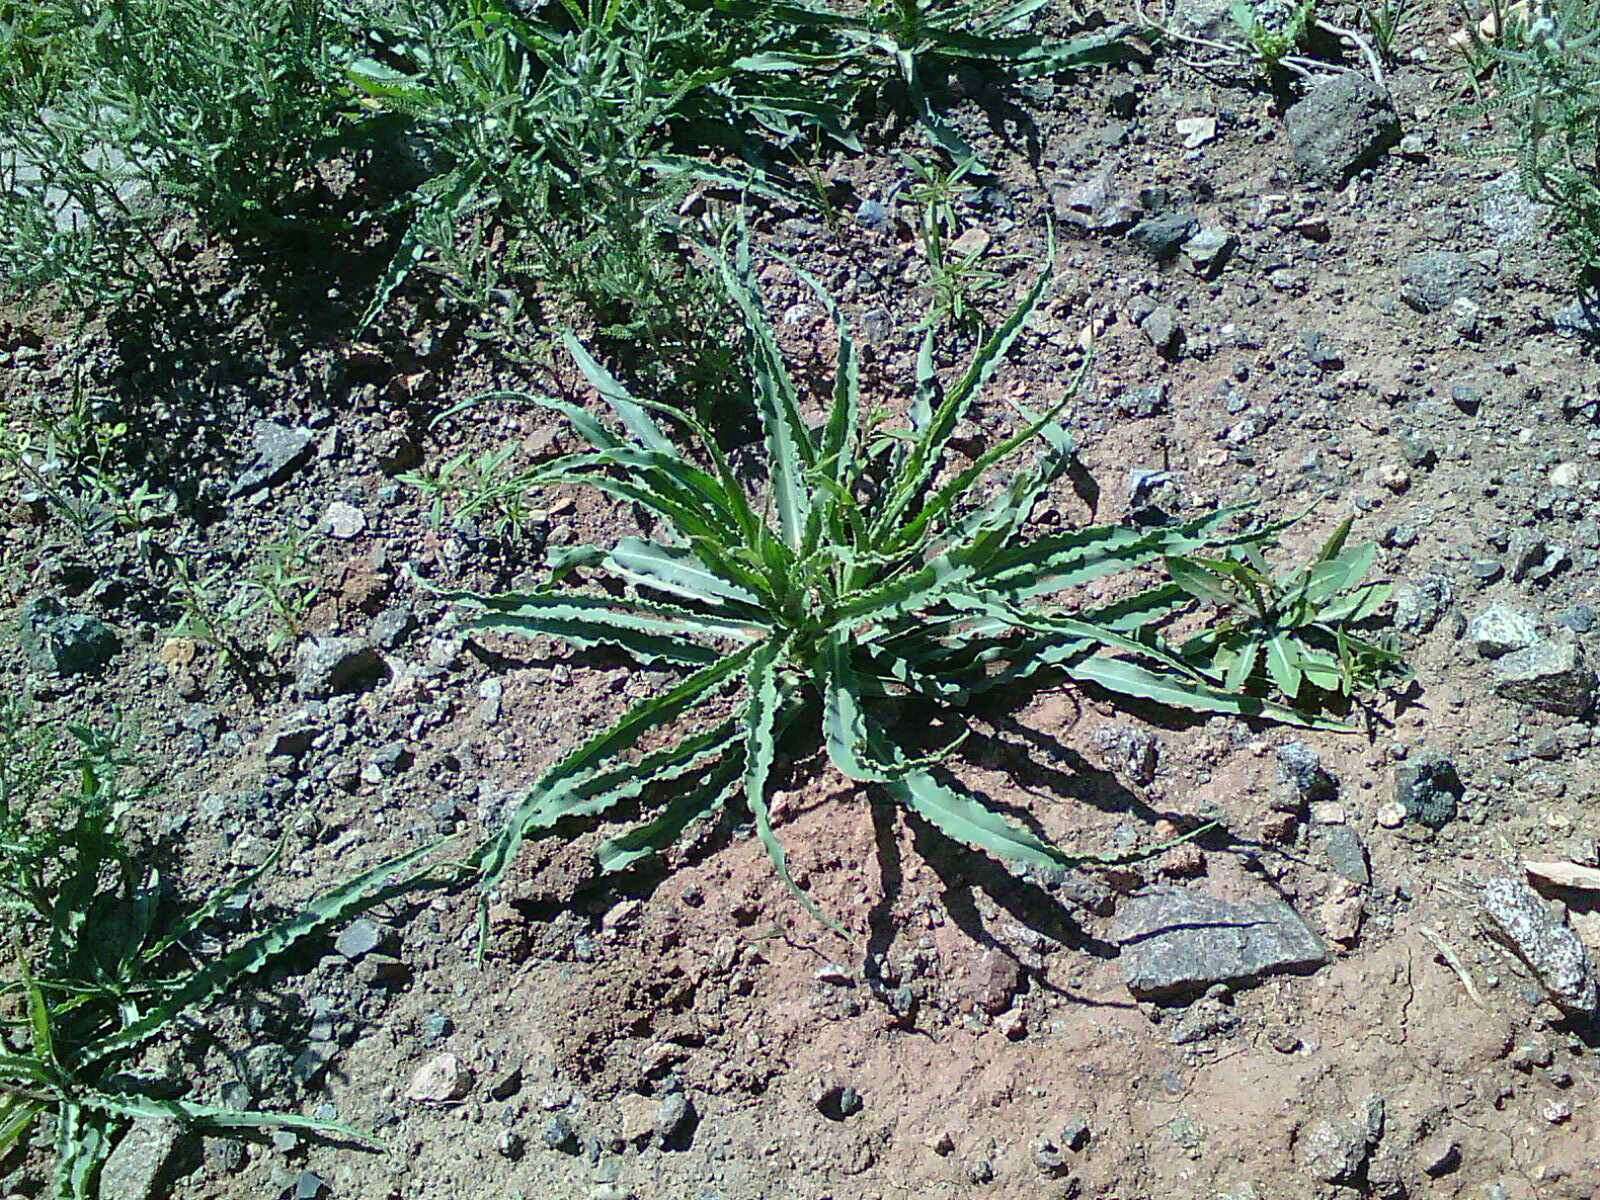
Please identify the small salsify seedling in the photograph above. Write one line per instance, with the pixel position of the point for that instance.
(871, 572)
(1294, 632)
(104, 962)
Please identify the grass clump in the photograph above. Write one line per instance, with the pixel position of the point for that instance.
(114, 117)
(873, 572)
(107, 962)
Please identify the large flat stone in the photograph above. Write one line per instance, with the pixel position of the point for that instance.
(1177, 942)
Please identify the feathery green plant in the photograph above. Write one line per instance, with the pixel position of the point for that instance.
(873, 571)
(104, 964)
(110, 113)
(1546, 92)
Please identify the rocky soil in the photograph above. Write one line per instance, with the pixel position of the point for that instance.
(1377, 981)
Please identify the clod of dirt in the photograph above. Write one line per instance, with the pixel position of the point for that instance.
(1340, 127)
(440, 1080)
(62, 642)
(337, 666)
(1524, 923)
(1551, 676)
(1428, 789)
(1178, 942)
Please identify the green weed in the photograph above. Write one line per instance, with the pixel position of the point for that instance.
(112, 117)
(1294, 631)
(871, 572)
(1545, 81)
(1272, 42)
(106, 961)
(861, 50)
(956, 276)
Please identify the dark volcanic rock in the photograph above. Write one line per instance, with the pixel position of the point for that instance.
(1340, 127)
(1177, 942)
(1552, 676)
(62, 642)
(1429, 789)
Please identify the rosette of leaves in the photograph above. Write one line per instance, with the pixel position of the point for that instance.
(857, 49)
(1293, 633)
(872, 571)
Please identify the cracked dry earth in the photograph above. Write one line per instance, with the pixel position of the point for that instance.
(1352, 991)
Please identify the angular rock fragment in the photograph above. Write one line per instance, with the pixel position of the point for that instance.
(1522, 921)
(1177, 942)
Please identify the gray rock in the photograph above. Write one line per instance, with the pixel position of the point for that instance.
(1331, 1149)
(1580, 318)
(1161, 236)
(1208, 251)
(1164, 330)
(1510, 216)
(1428, 788)
(559, 1135)
(1341, 847)
(1501, 629)
(336, 666)
(308, 1185)
(1524, 923)
(1097, 204)
(344, 521)
(1177, 942)
(64, 643)
(1419, 604)
(279, 450)
(1550, 676)
(1303, 771)
(872, 215)
(1580, 618)
(136, 1162)
(361, 937)
(1436, 279)
(1342, 125)
(673, 1115)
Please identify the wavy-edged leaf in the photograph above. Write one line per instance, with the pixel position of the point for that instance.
(967, 820)
(211, 1116)
(910, 482)
(82, 1145)
(790, 450)
(16, 1118)
(633, 415)
(320, 914)
(214, 903)
(679, 573)
(844, 723)
(698, 800)
(1131, 679)
(494, 858)
(760, 734)
(40, 1028)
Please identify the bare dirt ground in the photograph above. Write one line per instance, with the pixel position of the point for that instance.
(975, 1034)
